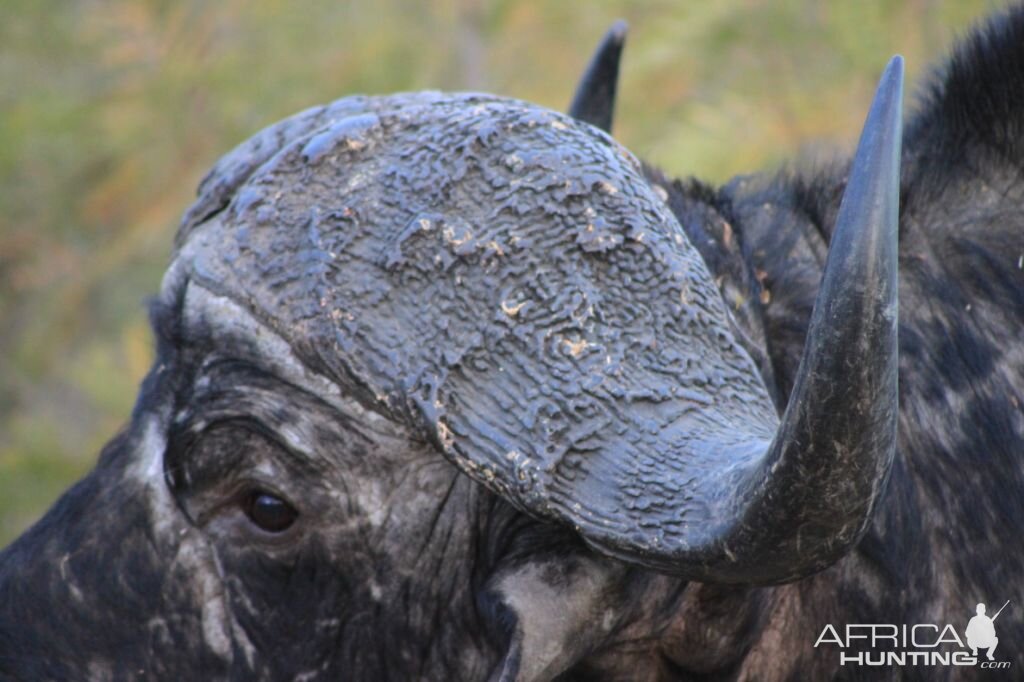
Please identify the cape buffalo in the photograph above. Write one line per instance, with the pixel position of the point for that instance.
(452, 387)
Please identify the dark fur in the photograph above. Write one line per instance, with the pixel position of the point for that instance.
(946, 535)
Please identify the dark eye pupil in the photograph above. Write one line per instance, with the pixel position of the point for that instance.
(270, 513)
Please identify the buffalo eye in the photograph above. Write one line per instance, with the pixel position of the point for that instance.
(269, 512)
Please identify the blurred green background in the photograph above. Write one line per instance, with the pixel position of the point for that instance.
(111, 111)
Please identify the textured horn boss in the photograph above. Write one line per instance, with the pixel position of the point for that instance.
(534, 309)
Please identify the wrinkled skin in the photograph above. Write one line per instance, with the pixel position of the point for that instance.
(400, 566)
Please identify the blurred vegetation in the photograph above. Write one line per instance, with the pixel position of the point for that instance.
(111, 111)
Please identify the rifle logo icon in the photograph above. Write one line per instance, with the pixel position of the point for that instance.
(981, 631)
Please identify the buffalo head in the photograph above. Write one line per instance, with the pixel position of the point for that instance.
(442, 390)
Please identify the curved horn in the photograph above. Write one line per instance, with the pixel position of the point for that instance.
(594, 101)
(810, 499)
(723, 502)
(838, 433)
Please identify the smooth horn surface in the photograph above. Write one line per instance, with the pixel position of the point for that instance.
(594, 101)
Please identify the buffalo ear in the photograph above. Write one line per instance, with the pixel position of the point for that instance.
(563, 609)
(594, 101)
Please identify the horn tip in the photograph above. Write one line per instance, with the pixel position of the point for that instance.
(890, 96)
(893, 74)
(617, 32)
